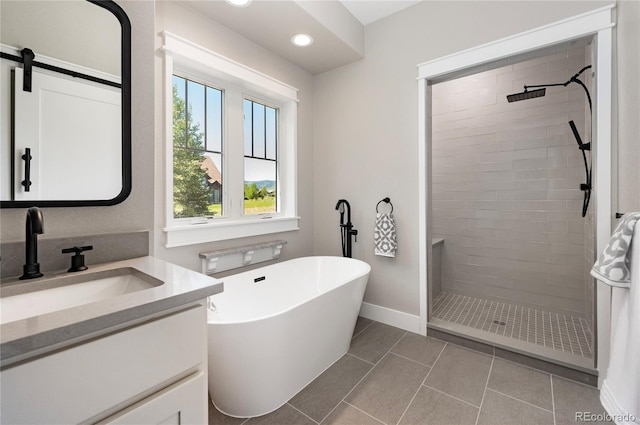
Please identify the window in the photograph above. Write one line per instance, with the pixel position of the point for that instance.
(231, 148)
(260, 158)
(197, 149)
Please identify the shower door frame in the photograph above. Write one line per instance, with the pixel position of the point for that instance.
(597, 24)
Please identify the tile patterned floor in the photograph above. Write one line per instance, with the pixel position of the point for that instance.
(553, 330)
(395, 377)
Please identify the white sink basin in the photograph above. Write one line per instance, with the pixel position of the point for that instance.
(58, 293)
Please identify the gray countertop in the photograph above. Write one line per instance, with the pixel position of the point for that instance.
(28, 337)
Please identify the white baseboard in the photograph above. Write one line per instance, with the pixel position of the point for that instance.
(399, 319)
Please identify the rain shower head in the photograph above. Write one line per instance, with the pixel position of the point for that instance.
(526, 94)
(541, 91)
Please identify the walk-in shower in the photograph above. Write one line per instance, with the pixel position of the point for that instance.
(510, 198)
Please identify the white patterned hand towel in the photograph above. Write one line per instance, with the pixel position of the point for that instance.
(384, 235)
(612, 266)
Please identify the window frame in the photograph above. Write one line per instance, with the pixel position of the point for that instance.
(186, 59)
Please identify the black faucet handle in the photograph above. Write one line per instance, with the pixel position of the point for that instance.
(77, 249)
(77, 260)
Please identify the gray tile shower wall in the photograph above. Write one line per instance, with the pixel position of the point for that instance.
(506, 178)
(106, 248)
(590, 240)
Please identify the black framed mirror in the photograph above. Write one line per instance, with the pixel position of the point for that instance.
(66, 103)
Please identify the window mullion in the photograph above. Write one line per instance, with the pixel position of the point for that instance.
(264, 129)
(235, 151)
(206, 134)
(186, 114)
(253, 140)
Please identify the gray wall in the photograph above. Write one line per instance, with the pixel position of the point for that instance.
(136, 212)
(365, 122)
(193, 26)
(73, 31)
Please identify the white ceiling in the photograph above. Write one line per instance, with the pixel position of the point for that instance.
(338, 36)
(368, 11)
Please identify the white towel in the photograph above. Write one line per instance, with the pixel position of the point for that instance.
(620, 391)
(612, 266)
(384, 236)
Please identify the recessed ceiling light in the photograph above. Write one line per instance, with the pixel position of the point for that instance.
(239, 3)
(302, 40)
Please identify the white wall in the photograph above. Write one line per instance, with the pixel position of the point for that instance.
(366, 125)
(201, 30)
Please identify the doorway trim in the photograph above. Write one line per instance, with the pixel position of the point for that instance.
(597, 23)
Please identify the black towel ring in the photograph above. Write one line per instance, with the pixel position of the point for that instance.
(385, 200)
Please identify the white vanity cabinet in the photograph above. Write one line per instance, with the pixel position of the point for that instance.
(152, 372)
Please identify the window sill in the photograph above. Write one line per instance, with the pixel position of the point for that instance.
(223, 229)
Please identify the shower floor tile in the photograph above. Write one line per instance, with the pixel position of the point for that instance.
(553, 330)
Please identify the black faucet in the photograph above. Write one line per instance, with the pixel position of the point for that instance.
(34, 226)
(346, 229)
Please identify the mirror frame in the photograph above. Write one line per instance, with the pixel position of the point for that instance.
(125, 66)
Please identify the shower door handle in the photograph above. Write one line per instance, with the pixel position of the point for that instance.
(27, 169)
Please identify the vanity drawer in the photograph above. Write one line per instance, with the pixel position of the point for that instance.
(106, 374)
(181, 403)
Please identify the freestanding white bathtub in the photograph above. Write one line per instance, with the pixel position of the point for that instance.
(277, 328)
